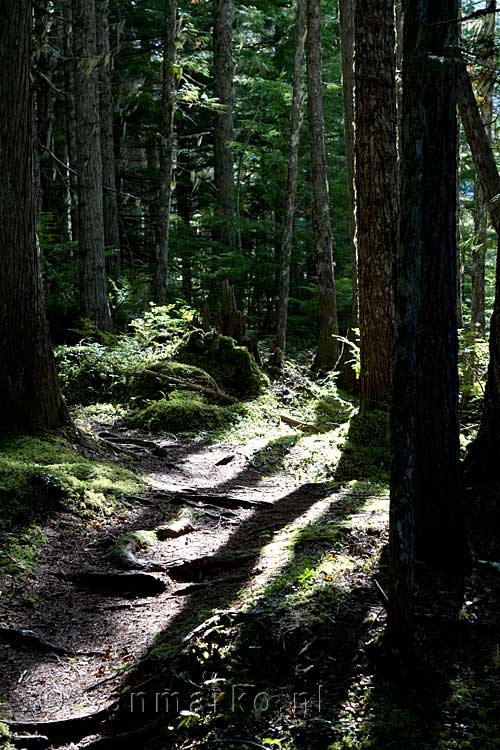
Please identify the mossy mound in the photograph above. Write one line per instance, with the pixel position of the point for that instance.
(232, 366)
(38, 474)
(366, 453)
(182, 412)
(93, 373)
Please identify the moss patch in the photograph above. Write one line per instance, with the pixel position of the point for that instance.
(18, 556)
(366, 453)
(182, 412)
(232, 366)
(37, 474)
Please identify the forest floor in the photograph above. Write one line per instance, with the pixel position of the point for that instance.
(253, 624)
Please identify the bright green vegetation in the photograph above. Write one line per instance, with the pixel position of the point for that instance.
(182, 412)
(5, 743)
(36, 474)
(18, 556)
(232, 366)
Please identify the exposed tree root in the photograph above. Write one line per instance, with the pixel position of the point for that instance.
(142, 584)
(190, 570)
(220, 501)
(216, 395)
(29, 639)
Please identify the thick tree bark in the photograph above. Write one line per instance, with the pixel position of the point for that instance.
(167, 146)
(110, 194)
(426, 503)
(484, 86)
(226, 230)
(327, 353)
(291, 187)
(69, 116)
(377, 204)
(29, 392)
(431, 71)
(483, 455)
(93, 287)
(346, 10)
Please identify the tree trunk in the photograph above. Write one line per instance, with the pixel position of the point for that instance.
(327, 354)
(183, 194)
(29, 392)
(51, 37)
(430, 229)
(167, 146)
(484, 86)
(110, 194)
(483, 455)
(347, 9)
(69, 116)
(226, 231)
(291, 187)
(377, 204)
(93, 288)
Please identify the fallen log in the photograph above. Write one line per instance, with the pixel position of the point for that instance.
(216, 395)
(138, 584)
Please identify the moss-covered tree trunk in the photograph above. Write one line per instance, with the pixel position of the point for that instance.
(29, 393)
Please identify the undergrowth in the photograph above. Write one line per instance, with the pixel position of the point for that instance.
(38, 474)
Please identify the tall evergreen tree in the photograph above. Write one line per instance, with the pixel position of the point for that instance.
(93, 285)
(110, 195)
(291, 186)
(426, 478)
(29, 392)
(166, 150)
(376, 183)
(327, 353)
(223, 68)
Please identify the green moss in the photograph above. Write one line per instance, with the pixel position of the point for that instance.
(366, 452)
(232, 366)
(18, 556)
(135, 541)
(182, 412)
(93, 373)
(38, 474)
